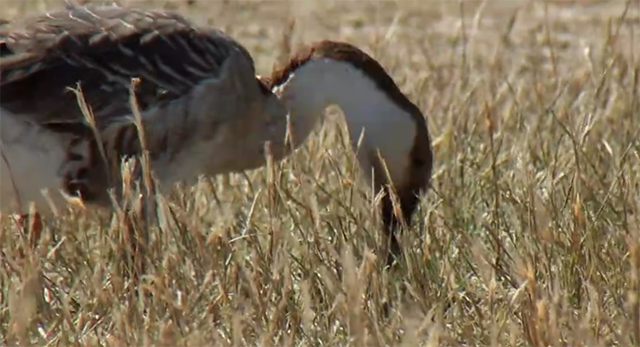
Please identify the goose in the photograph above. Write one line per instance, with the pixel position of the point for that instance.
(203, 108)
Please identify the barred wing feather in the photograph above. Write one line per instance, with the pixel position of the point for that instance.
(99, 50)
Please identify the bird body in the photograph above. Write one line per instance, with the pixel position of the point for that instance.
(29, 154)
(196, 93)
(203, 109)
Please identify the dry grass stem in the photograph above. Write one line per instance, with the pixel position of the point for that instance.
(530, 235)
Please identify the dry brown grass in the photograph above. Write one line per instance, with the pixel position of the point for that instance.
(530, 235)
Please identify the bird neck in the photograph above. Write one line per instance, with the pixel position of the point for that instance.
(388, 128)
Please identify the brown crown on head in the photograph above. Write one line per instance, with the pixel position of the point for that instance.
(417, 178)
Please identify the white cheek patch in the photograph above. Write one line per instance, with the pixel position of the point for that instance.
(387, 126)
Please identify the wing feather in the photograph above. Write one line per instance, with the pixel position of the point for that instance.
(100, 49)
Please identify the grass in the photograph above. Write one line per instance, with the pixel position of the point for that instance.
(530, 235)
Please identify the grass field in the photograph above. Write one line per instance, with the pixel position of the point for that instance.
(530, 235)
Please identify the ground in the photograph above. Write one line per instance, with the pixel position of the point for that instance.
(530, 235)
